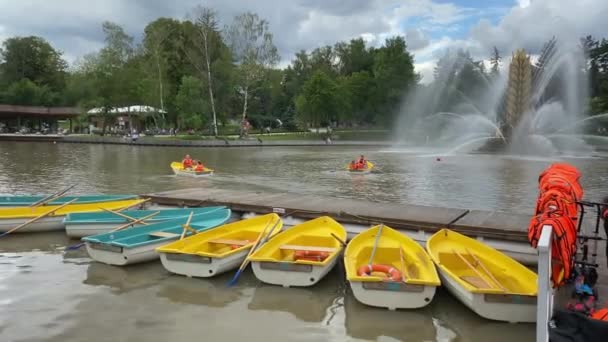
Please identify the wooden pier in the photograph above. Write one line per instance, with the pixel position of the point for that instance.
(488, 224)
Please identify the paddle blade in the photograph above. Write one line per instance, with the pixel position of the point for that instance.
(74, 247)
(5, 233)
(234, 279)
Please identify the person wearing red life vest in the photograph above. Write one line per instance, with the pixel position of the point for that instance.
(187, 162)
(199, 167)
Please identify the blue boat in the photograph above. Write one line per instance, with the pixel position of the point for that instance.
(22, 201)
(138, 244)
(79, 225)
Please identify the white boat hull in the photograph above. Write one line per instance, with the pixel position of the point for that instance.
(120, 256)
(196, 266)
(507, 308)
(45, 224)
(392, 295)
(80, 230)
(291, 274)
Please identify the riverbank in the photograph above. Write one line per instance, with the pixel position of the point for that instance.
(254, 141)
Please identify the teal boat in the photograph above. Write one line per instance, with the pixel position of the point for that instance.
(79, 225)
(138, 244)
(23, 201)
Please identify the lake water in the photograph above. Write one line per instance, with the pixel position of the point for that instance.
(49, 295)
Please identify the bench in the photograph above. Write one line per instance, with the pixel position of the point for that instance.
(231, 242)
(308, 248)
(163, 234)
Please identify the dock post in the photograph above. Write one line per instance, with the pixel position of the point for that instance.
(544, 309)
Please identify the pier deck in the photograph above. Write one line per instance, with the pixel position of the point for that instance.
(487, 224)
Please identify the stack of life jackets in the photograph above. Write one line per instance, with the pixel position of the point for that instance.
(559, 191)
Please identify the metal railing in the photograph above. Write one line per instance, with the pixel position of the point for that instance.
(544, 309)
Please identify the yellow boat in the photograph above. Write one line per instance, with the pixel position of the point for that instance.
(410, 279)
(487, 281)
(217, 250)
(178, 169)
(367, 169)
(301, 255)
(15, 216)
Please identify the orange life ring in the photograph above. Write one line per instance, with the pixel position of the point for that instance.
(310, 255)
(392, 273)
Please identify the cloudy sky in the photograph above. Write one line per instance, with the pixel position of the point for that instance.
(430, 26)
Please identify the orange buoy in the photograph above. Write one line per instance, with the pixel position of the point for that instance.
(392, 274)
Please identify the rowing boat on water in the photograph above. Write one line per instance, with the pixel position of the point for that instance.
(79, 225)
(217, 250)
(487, 281)
(138, 244)
(410, 280)
(178, 169)
(367, 169)
(22, 201)
(12, 217)
(301, 255)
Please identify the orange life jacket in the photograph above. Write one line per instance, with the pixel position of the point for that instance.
(187, 163)
(601, 314)
(556, 206)
(199, 168)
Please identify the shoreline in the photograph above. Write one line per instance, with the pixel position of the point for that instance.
(152, 141)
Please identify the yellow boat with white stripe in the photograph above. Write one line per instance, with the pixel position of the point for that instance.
(217, 250)
(411, 280)
(12, 217)
(487, 281)
(178, 170)
(301, 255)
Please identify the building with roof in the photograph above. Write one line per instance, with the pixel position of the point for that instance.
(14, 118)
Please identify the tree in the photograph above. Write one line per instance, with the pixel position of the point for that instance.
(32, 58)
(250, 41)
(317, 103)
(206, 25)
(394, 75)
(190, 104)
(495, 60)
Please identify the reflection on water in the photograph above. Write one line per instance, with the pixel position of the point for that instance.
(406, 176)
(211, 292)
(125, 279)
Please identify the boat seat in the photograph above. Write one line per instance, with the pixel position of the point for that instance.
(163, 234)
(231, 242)
(308, 248)
(476, 281)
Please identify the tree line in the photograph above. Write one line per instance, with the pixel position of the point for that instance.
(204, 73)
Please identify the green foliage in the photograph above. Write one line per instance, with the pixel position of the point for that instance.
(190, 103)
(318, 102)
(32, 58)
(26, 92)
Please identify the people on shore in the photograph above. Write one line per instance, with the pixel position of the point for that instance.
(199, 167)
(187, 162)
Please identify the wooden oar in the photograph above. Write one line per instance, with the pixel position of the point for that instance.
(404, 269)
(120, 214)
(473, 268)
(52, 197)
(187, 226)
(371, 257)
(342, 242)
(264, 235)
(121, 227)
(478, 261)
(38, 217)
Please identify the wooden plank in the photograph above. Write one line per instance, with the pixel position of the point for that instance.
(308, 248)
(231, 242)
(163, 234)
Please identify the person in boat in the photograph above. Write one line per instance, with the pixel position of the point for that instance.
(199, 167)
(187, 162)
(353, 165)
(362, 162)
